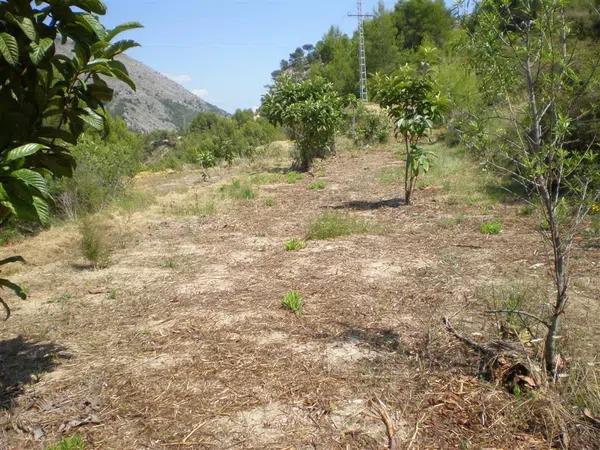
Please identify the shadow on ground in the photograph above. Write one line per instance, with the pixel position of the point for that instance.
(361, 205)
(21, 361)
(378, 339)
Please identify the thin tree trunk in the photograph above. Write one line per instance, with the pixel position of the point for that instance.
(407, 187)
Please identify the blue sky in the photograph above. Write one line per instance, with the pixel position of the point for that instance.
(225, 50)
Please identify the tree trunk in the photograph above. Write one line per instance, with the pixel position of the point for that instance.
(407, 183)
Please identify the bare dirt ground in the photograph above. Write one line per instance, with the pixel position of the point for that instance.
(181, 341)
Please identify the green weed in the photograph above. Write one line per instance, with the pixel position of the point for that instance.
(169, 263)
(267, 178)
(293, 301)
(94, 242)
(317, 185)
(331, 225)
(491, 228)
(294, 245)
(70, 443)
(293, 177)
(270, 202)
(237, 190)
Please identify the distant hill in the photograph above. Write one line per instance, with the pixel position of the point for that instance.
(158, 103)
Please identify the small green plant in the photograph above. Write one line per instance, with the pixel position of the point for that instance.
(112, 294)
(169, 263)
(317, 185)
(491, 228)
(269, 202)
(238, 190)
(331, 225)
(293, 177)
(294, 245)
(69, 443)
(293, 301)
(267, 178)
(94, 243)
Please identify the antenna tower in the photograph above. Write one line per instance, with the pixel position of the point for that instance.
(362, 57)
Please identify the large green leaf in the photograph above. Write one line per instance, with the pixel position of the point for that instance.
(119, 47)
(25, 24)
(38, 51)
(92, 24)
(32, 179)
(121, 28)
(92, 118)
(13, 287)
(42, 209)
(9, 49)
(23, 151)
(93, 6)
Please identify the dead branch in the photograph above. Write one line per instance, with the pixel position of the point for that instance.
(520, 313)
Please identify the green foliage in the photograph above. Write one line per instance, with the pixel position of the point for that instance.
(238, 190)
(69, 443)
(332, 225)
(105, 165)
(294, 245)
(414, 104)
(311, 112)
(366, 125)
(293, 302)
(292, 177)
(492, 227)
(7, 284)
(94, 242)
(317, 185)
(48, 99)
(269, 202)
(417, 20)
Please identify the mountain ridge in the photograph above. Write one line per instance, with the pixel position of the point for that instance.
(158, 103)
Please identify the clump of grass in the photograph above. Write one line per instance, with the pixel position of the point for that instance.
(491, 228)
(269, 202)
(317, 185)
(69, 443)
(199, 206)
(134, 200)
(391, 175)
(294, 245)
(293, 301)
(267, 178)
(453, 221)
(331, 225)
(238, 190)
(94, 242)
(293, 177)
(169, 263)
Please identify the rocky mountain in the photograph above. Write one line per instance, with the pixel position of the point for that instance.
(158, 103)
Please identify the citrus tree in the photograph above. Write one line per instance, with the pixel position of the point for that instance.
(311, 111)
(414, 104)
(47, 99)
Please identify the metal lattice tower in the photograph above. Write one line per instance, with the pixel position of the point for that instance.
(362, 57)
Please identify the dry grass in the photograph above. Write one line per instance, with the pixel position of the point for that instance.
(194, 350)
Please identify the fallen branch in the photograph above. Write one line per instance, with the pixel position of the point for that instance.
(521, 313)
(465, 340)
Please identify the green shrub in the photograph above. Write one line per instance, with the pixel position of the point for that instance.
(293, 301)
(94, 242)
(367, 126)
(331, 225)
(492, 227)
(311, 112)
(317, 185)
(294, 245)
(69, 443)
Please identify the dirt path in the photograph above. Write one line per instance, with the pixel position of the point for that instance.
(181, 341)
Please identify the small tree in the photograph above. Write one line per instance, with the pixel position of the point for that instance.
(47, 99)
(311, 112)
(536, 74)
(414, 104)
